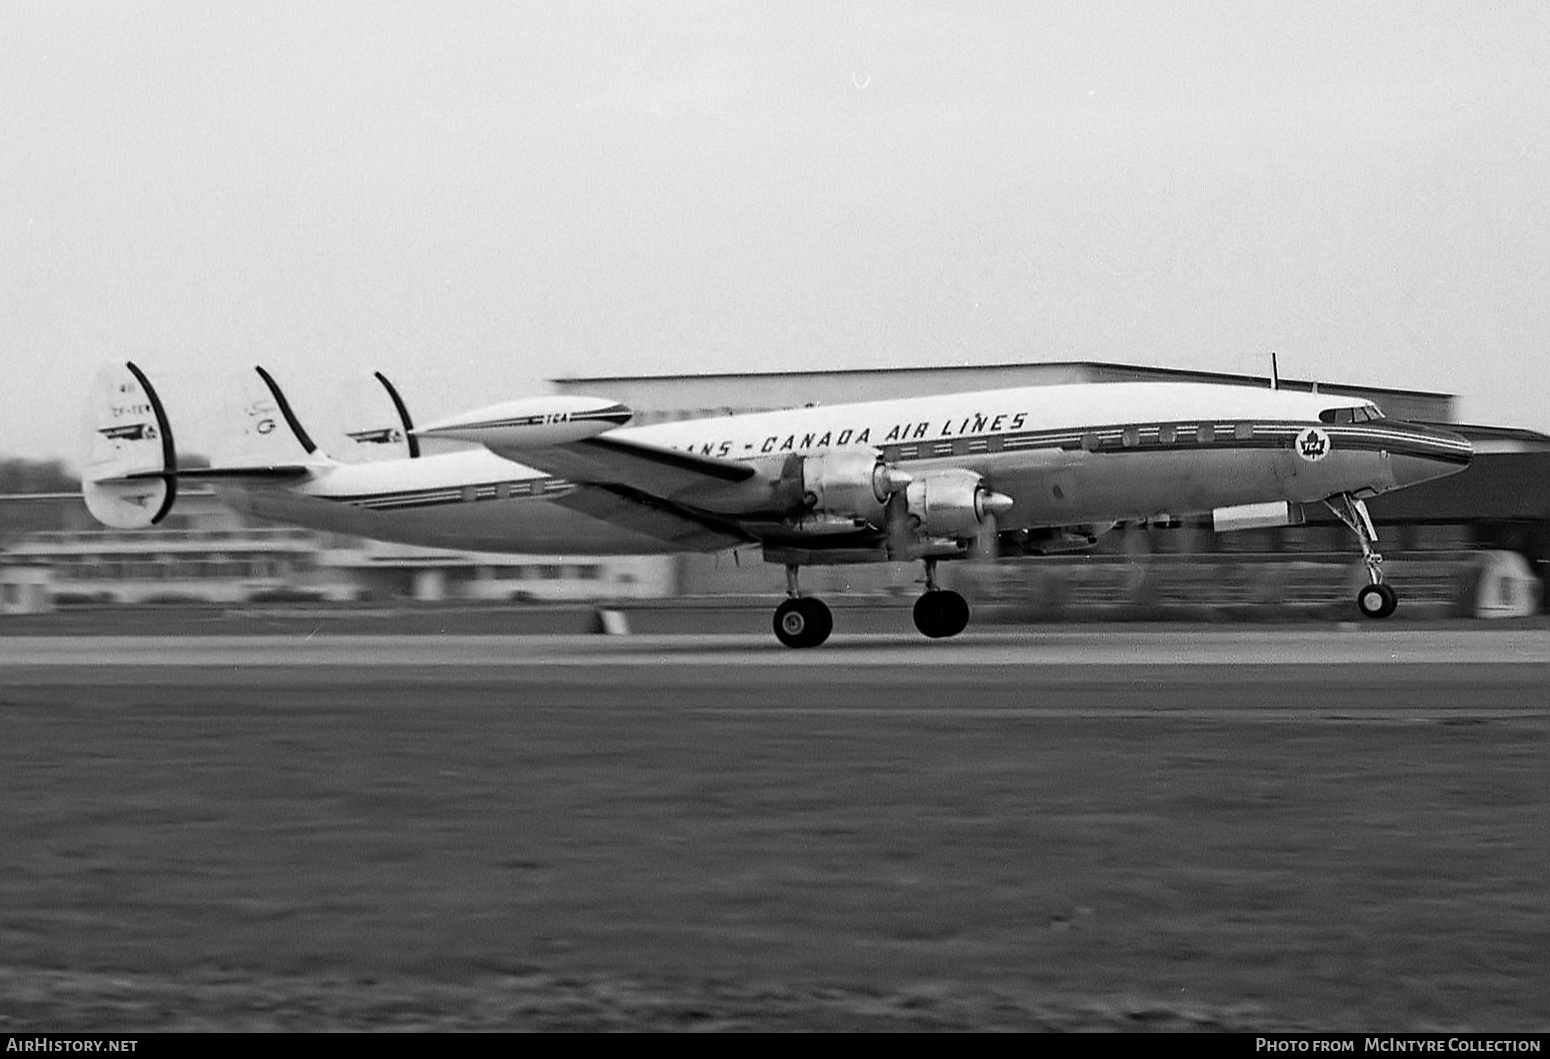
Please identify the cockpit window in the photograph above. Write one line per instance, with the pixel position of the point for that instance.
(1362, 413)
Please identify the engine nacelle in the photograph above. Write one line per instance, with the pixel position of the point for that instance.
(854, 485)
(953, 503)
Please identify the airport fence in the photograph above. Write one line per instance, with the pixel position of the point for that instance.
(1252, 587)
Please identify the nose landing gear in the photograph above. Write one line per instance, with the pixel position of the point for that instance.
(1376, 599)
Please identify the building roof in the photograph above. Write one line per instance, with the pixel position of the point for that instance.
(1500, 439)
(1100, 368)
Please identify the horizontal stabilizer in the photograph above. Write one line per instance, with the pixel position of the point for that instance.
(273, 471)
(126, 470)
(269, 473)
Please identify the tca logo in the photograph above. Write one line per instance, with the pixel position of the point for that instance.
(1312, 444)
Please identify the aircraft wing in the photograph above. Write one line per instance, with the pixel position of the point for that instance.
(644, 469)
(682, 528)
(661, 492)
(649, 488)
(572, 437)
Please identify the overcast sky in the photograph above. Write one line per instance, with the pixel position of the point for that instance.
(475, 197)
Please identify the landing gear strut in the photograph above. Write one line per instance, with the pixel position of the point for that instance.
(940, 613)
(1375, 600)
(801, 621)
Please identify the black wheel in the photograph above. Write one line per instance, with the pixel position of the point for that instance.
(824, 617)
(1376, 601)
(803, 622)
(941, 614)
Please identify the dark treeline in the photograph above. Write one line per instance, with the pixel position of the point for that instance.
(22, 477)
(36, 476)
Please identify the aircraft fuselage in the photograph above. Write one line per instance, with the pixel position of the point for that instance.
(1065, 454)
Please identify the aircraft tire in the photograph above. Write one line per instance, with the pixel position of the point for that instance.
(825, 619)
(803, 622)
(941, 614)
(1376, 601)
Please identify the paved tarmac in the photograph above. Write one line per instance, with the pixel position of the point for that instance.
(1085, 646)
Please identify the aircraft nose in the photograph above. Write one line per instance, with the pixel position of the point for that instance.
(1421, 452)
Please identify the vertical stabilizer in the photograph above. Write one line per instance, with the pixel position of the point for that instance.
(260, 428)
(411, 443)
(373, 423)
(127, 468)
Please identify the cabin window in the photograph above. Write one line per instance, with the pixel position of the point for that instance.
(1130, 437)
(1166, 434)
(1205, 433)
(1243, 431)
(1090, 442)
(470, 493)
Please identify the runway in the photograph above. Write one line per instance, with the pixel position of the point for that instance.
(1091, 646)
(1089, 828)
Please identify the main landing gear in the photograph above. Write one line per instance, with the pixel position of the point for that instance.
(940, 613)
(1375, 600)
(802, 621)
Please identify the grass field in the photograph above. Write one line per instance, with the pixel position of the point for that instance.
(1175, 848)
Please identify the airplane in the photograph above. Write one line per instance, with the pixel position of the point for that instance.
(1029, 470)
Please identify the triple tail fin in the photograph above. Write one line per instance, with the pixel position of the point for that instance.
(130, 472)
